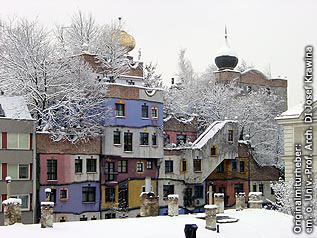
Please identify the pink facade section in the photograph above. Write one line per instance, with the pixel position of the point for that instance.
(190, 136)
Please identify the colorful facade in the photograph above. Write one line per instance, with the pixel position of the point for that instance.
(131, 148)
(17, 155)
(72, 172)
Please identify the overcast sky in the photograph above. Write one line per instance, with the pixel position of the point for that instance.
(263, 33)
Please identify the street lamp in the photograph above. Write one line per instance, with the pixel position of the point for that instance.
(8, 180)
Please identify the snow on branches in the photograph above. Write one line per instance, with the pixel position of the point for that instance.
(61, 92)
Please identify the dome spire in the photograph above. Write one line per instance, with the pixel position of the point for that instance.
(226, 58)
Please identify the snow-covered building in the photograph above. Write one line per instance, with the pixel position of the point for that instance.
(249, 80)
(185, 169)
(17, 155)
(297, 132)
(72, 173)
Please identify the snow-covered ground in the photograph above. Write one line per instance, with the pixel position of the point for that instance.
(252, 223)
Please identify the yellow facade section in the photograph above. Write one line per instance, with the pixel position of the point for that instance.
(135, 189)
(228, 173)
(107, 205)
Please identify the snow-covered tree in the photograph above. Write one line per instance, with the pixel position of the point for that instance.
(151, 78)
(243, 66)
(61, 91)
(185, 72)
(209, 100)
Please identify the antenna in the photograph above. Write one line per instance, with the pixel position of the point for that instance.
(226, 33)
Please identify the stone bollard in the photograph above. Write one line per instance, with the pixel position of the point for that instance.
(240, 201)
(47, 216)
(12, 211)
(211, 222)
(149, 204)
(255, 200)
(172, 203)
(219, 201)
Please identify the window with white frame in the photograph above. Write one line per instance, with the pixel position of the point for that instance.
(63, 194)
(154, 112)
(139, 167)
(18, 141)
(18, 171)
(25, 206)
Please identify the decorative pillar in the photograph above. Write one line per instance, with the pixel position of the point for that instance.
(172, 203)
(12, 211)
(255, 200)
(219, 201)
(211, 222)
(210, 195)
(47, 212)
(149, 204)
(240, 201)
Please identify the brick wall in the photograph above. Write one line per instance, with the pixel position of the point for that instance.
(45, 145)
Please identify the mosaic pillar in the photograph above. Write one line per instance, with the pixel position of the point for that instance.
(255, 200)
(240, 201)
(219, 201)
(149, 205)
(211, 222)
(12, 211)
(47, 216)
(172, 203)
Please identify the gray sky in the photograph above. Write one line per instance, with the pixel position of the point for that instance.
(264, 33)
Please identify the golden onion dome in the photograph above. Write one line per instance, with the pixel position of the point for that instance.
(126, 40)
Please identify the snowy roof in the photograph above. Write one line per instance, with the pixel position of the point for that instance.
(209, 133)
(294, 112)
(251, 221)
(15, 108)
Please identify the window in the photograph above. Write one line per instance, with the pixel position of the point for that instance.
(144, 138)
(272, 191)
(197, 165)
(139, 167)
(261, 188)
(230, 135)
(149, 164)
(116, 137)
(18, 171)
(180, 139)
(122, 166)
(63, 194)
(221, 167)
(24, 200)
(188, 199)
(184, 165)
(154, 112)
(241, 166)
(213, 151)
(167, 190)
(119, 110)
(128, 141)
(78, 165)
(143, 188)
(109, 171)
(234, 165)
(53, 195)
(199, 191)
(23, 171)
(254, 187)
(168, 166)
(89, 194)
(110, 194)
(91, 165)
(18, 141)
(51, 165)
(145, 111)
(238, 188)
(154, 139)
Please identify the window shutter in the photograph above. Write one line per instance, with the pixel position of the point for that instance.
(4, 171)
(4, 140)
(31, 171)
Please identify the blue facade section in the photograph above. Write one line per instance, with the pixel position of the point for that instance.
(73, 204)
(133, 113)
